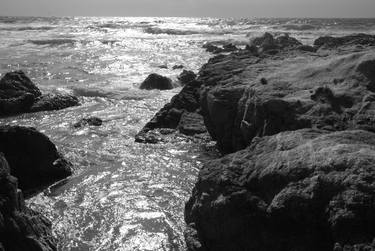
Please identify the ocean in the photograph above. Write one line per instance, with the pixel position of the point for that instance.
(124, 195)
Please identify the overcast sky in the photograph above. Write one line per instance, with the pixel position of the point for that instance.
(212, 8)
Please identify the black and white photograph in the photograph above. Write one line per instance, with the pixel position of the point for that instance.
(187, 125)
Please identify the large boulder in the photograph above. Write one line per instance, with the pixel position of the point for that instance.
(18, 94)
(245, 96)
(33, 158)
(306, 190)
(156, 81)
(20, 227)
(50, 102)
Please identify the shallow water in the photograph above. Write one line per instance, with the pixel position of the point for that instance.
(124, 195)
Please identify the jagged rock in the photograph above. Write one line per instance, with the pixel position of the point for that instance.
(20, 227)
(169, 116)
(238, 107)
(155, 81)
(33, 158)
(186, 77)
(14, 83)
(50, 102)
(18, 94)
(299, 190)
(91, 121)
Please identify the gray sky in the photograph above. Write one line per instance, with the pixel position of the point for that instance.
(213, 8)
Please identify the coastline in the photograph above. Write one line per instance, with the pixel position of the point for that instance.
(294, 125)
(299, 121)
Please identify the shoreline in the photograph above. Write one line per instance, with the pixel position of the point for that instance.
(292, 122)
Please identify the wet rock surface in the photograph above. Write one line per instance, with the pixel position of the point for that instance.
(18, 94)
(32, 157)
(156, 81)
(20, 227)
(247, 95)
(187, 101)
(304, 190)
(299, 122)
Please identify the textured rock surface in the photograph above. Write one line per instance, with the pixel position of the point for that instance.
(156, 81)
(304, 119)
(18, 94)
(50, 102)
(33, 158)
(20, 227)
(186, 76)
(300, 190)
(248, 94)
(187, 101)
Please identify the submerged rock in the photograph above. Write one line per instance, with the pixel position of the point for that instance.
(32, 157)
(301, 190)
(18, 94)
(20, 227)
(156, 81)
(91, 121)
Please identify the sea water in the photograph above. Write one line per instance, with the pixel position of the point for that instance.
(124, 195)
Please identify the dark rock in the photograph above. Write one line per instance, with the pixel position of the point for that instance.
(300, 190)
(155, 81)
(186, 77)
(191, 124)
(268, 43)
(17, 82)
(91, 121)
(33, 158)
(211, 48)
(169, 116)
(176, 67)
(263, 81)
(50, 102)
(20, 227)
(18, 94)
(163, 66)
(334, 42)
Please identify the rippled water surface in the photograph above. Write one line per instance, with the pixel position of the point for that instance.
(124, 195)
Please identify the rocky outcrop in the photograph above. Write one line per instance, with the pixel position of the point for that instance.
(300, 121)
(18, 94)
(186, 76)
(187, 101)
(20, 227)
(156, 81)
(32, 157)
(247, 95)
(299, 190)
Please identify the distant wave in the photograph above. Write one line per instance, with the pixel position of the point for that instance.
(53, 42)
(299, 27)
(156, 30)
(28, 28)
